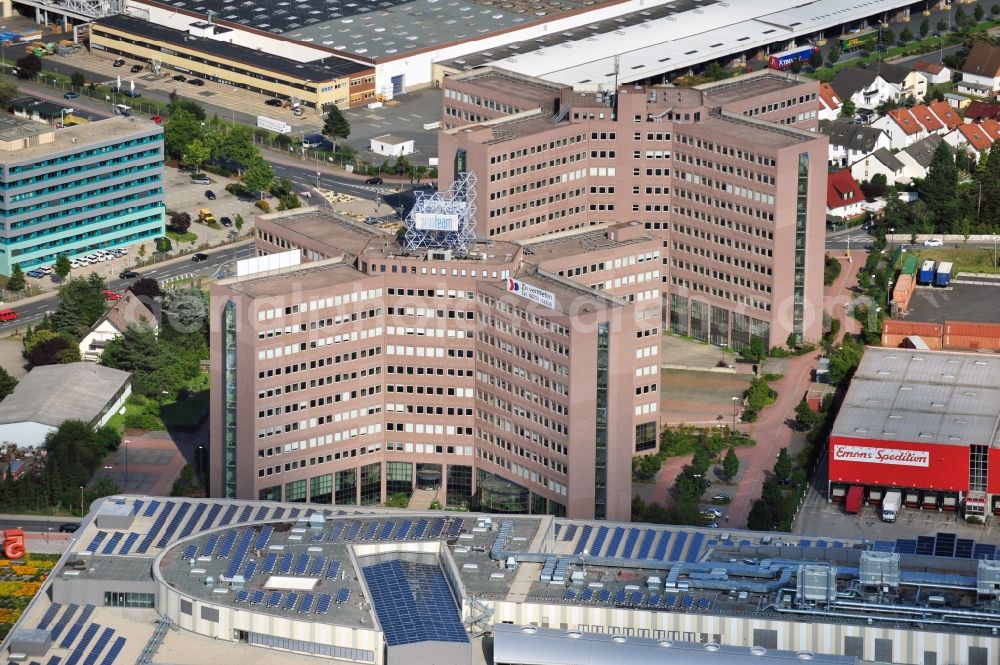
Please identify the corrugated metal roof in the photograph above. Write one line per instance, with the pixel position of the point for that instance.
(895, 327)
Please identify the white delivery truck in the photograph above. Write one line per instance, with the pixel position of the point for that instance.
(891, 505)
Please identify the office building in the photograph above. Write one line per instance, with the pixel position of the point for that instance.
(731, 176)
(519, 378)
(203, 581)
(78, 189)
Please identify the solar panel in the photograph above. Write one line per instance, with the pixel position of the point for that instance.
(615, 543)
(925, 545)
(332, 570)
(884, 546)
(64, 620)
(352, 531)
(190, 551)
(54, 660)
(704, 603)
(279, 513)
(269, 562)
(647, 544)
(630, 541)
(71, 635)
(317, 566)
(669, 600)
(291, 600)
(209, 548)
(274, 599)
(653, 600)
(241, 552)
(228, 543)
(189, 526)
(586, 595)
(129, 542)
(227, 518)
(242, 596)
(457, 524)
(245, 514)
(620, 597)
(98, 647)
(602, 534)
(678, 547)
(318, 536)
(420, 529)
(569, 595)
(906, 546)
(172, 527)
(137, 507)
(661, 546)
(964, 548)
(635, 598)
(261, 514)
(323, 604)
(307, 602)
(301, 564)
(343, 595)
(257, 598)
(96, 542)
(686, 602)
(568, 534)
(414, 603)
(213, 514)
(77, 653)
(386, 531)
(285, 566)
(112, 543)
(263, 537)
(984, 551)
(151, 508)
(293, 513)
(336, 531)
(370, 531)
(945, 545)
(436, 527)
(49, 615)
(404, 530)
(694, 548)
(114, 652)
(249, 570)
(603, 596)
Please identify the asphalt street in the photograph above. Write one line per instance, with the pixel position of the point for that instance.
(34, 523)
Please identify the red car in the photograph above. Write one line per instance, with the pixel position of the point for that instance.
(157, 119)
(111, 295)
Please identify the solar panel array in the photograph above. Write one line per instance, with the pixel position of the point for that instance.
(639, 544)
(941, 544)
(413, 603)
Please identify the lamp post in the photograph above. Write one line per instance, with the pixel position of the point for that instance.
(199, 460)
(126, 442)
(735, 401)
(892, 230)
(81, 500)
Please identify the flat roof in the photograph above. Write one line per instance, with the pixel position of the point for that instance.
(79, 137)
(13, 127)
(302, 278)
(316, 70)
(670, 38)
(579, 242)
(52, 394)
(933, 397)
(323, 226)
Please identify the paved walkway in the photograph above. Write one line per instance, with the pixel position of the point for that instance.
(155, 460)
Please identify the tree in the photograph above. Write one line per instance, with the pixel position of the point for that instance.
(163, 245)
(796, 66)
(52, 348)
(335, 124)
(155, 367)
(925, 27)
(181, 128)
(848, 109)
(180, 104)
(402, 165)
(939, 187)
(259, 176)
(988, 187)
(29, 66)
(186, 484)
(805, 416)
(8, 91)
(77, 80)
(756, 350)
(180, 222)
(81, 303)
(731, 463)
(875, 187)
(63, 266)
(783, 467)
(239, 222)
(905, 35)
(7, 383)
(845, 359)
(16, 282)
(816, 59)
(714, 71)
(833, 55)
(195, 154)
(994, 10)
(759, 518)
(237, 147)
(289, 202)
(978, 13)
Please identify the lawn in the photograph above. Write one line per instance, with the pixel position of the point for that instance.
(187, 236)
(148, 414)
(966, 259)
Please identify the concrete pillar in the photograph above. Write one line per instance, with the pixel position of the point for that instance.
(8, 8)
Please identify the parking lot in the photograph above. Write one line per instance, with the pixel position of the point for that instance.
(958, 302)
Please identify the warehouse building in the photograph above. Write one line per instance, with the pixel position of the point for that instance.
(924, 422)
(272, 583)
(78, 189)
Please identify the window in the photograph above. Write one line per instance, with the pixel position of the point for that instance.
(141, 600)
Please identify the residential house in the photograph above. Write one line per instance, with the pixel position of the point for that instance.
(956, 101)
(829, 102)
(917, 158)
(850, 141)
(974, 139)
(935, 72)
(978, 111)
(902, 127)
(881, 161)
(844, 198)
(911, 84)
(981, 71)
(946, 114)
(130, 310)
(864, 87)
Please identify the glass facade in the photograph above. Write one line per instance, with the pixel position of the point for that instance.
(459, 484)
(296, 491)
(321, 489)
(371, 484)
(801, 215)
(678, 314)
(95, 198)
(229, 401)
(399, 478)
(699, 320)
(645, 436)
(500, 495)
(601, 435)
(272, 493)
(129, 599)
(720, 326)
(346, 487)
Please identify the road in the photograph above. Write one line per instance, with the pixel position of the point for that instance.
(217, 258)
(35, 523)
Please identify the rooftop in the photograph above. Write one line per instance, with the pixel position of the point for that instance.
(304, 277)
(79, 137)
(580, 242)
(13, 127)
(322, 226)
(316, 70)
(51, 394)
(748, 86)
(922, 396)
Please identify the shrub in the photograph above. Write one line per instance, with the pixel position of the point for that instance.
(141, 420)
(263, 205)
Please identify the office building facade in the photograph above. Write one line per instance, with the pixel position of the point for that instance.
(366, 372)
(78, 189)
(730, 176)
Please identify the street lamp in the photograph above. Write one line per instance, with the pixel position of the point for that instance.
(126, 442)
(81, 500)
(892, 230)
(735, 401)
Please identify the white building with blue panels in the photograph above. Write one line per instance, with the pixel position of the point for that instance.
(77, 189)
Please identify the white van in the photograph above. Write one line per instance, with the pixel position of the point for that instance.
(121, 109)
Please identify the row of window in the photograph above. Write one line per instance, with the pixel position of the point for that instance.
(321, 362)
(699, 287)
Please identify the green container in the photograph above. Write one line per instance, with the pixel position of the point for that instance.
(909, 265)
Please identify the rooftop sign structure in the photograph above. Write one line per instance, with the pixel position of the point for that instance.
(444, 220)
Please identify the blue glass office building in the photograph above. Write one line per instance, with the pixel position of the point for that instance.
(78, 189)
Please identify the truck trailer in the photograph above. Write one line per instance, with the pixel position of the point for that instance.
(926, 274)
(785, 59)
(891, 505)
(943, 275)
(855, 496)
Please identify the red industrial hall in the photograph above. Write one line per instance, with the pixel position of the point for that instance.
(924, 422)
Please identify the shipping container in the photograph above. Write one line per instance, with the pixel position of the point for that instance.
(903, 292)
(852, 504)
(785, 59)
(909, 265)
(858, 40)
(943, 275)
(926, 273)
(971, 336)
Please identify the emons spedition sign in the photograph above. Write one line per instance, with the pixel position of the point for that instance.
(842, 453)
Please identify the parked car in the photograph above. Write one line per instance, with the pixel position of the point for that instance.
(274, 102)
(180, 78)
(210, 195)
(69, 527)
(119, 62)
(226, 221)
(722, 497)
(199, 257)
(374, 180)
(933, 242)
(131, 93)
(157, 119)
(196, 82)
(371, 221)
(110, 295)
(200, 179)
(71, 95)
(37, 273)
(714, 512)
(128, 274)
(135, 69)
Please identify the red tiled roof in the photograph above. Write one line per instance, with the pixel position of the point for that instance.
(924, 116)
(992, 128)
(977, 110)
(945, 114)
(929, 67)
(842, 190)
(829, 96)
(906, 120)
(976, 137)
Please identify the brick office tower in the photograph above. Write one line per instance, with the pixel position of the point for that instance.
(731, 176)
(368, 371)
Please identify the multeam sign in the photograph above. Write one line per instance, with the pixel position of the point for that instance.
(532, 293)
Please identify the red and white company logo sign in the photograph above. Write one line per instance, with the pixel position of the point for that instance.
(881, 455)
